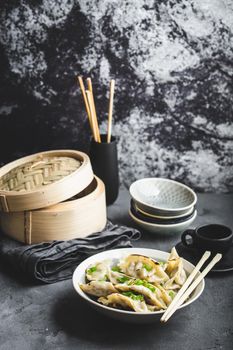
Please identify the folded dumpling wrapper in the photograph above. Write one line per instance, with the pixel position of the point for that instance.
(118, 300)
(175, 271)
(98, 271)
(152, 297)
(139, 266)
(98, 288)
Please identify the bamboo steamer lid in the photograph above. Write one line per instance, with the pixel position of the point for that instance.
(43, 179)
(75, 218)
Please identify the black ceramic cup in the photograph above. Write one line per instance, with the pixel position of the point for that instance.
(105, 165)
(215, 238)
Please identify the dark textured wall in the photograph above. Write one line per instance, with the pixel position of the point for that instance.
(172, 61)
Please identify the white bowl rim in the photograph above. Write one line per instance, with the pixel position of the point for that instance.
(163, 225)
(132, 250)
(189, 211)
(165, 180)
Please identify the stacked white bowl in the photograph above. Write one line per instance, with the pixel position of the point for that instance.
(161, 205)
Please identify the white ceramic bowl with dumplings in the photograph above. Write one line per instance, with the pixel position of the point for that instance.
(123, 315)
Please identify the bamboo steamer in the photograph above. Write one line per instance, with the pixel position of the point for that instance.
(43, 179)
(75, 218)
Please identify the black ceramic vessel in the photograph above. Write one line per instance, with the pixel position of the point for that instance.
(105, 165)
(215, 238)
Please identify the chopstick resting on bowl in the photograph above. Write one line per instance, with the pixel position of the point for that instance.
(189, 280)
(190, 284)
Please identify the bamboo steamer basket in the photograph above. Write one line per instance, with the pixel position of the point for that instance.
(43, 179)
(75, 218)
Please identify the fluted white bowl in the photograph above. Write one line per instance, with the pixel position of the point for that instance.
(164, 197)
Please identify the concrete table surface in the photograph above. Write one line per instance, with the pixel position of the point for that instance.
(53, 317)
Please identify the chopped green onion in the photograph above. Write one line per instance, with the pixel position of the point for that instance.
(138, 282)
(147, 267)
(172, 294)
(134, 296)
(161, 262)
(122, 279)
(150, 286)
(116, 268)
(146, 284)
(91, 270)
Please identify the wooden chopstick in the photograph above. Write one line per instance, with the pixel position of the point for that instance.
(89, 85)
(80, 79)
(189, 280)
(193, 286)
(94, 117)
(110, 109)
(90, 103)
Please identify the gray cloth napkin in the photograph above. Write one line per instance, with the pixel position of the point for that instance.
(55, 261)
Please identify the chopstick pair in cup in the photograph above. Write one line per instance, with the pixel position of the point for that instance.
(89, 102)
(103, 147)
(190, 284)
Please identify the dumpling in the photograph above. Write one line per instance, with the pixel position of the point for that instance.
(98, 288)
(166, 295)
(98, 271)
(117, 277)
(176, 271)
(171, 285)
(129, 301)
(152, 308)
(139, 266)
(160, 276)
(173, 261)
(179, 275)
(151, 293)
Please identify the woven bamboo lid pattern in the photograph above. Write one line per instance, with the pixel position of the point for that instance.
(38, 173)
(43, 179)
